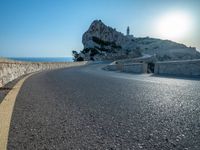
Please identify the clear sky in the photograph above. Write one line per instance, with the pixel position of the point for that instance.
(53, 28)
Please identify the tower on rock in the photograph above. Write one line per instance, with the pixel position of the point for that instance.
(128, 31)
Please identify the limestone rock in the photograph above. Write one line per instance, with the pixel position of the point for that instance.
(102, 42)
(99, 30)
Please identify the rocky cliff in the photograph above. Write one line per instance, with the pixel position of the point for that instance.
(102, 42)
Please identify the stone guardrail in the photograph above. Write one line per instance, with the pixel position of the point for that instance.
(180, 68)
(12, 70)
(135, 68)
(130, 68)
(185, 67)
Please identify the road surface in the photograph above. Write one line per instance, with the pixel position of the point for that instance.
(89, 108)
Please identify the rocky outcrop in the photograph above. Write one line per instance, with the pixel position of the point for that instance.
(165, 49)
(98, 30)
(102, 42)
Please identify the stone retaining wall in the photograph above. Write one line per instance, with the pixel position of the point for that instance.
(135, 68)
(111, 67)
(12, 70)
(186, 68)
(131, 68)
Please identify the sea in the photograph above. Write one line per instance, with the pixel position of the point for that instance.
(43, 59)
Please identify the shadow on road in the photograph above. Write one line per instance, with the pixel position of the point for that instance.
(197, 78)
(5, 88)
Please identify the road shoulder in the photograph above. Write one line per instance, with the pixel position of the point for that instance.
(6, 109)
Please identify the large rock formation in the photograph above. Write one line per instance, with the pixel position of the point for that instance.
(165, 49)
(98, 30)
(102, 42)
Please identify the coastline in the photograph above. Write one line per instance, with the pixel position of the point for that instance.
(42, 59)
(36, 59)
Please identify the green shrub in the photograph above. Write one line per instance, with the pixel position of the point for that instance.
(80, 59)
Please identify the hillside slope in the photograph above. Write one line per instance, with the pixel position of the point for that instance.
(102, 42)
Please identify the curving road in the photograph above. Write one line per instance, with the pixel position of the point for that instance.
(88, 108)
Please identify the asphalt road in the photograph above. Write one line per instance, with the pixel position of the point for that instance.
(88, 108)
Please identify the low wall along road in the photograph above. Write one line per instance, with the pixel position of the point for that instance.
(130, 68)
(180, 68)
(135, 68)
(12, 70)
(186, 67)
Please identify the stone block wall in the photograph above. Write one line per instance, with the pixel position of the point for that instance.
(135, 68)
(185, 68)
(112, 67)
(131, 68)
(12, 70)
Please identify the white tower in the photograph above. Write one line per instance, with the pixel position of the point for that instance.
(128, 31)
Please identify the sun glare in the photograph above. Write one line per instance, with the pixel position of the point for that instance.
(174, 25)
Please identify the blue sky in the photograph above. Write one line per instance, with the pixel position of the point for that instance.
(53, 28)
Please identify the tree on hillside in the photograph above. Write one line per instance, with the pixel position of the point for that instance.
(76, 56)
